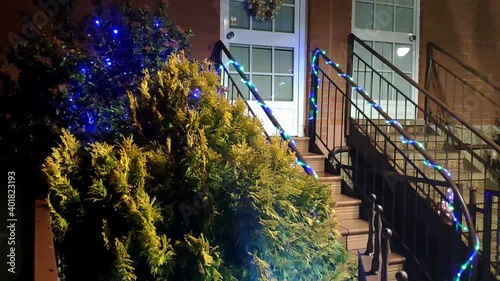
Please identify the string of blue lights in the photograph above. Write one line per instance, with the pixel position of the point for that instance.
(314, 110)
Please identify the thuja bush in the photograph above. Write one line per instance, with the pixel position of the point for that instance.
(197, 194)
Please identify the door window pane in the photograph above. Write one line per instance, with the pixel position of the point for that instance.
(386, 50)
(403, 86)
(382, 90)
(290, 2)
(364, 80)
(405, 2)
(283, 88)
(261, 59)
(283, 61)
(363, 54)
(235, 85)
(263, 83)
(285, 20)
(404, 57)
(364, 15)
(277, 85)
(262, 25)
(238, 16)
(404, 20)
(384, 17)
(241, 54)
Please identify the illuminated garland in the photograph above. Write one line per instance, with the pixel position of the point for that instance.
(264, 11)
(308, 169)
(314, 110)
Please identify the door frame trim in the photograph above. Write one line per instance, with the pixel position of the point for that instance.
(302, 53)
(416, 65)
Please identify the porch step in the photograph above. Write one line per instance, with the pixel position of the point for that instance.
(316, 161)
(346, 207)
(334, 182)
(355, 233)
(302, 144)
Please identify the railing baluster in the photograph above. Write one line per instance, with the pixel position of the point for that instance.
(386, 252)
(488, 201)
(371, 220)
(473, 203)
(377, 255)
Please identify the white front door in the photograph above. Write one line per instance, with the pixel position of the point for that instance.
(269, 51)
(390, 27)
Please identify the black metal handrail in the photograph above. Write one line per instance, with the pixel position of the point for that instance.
(216, 57)
(427, 95)
(432, 46)
(473, 243)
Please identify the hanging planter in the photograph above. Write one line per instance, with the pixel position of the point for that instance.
(264, 10)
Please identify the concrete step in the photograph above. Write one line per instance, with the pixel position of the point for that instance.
(354, 233)
(316, 161)
(302, 144)
(345, 207)
(334, 182)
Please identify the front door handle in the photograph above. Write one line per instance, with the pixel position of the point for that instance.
(230, 35)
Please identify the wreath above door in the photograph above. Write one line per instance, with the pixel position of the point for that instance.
(264, 10)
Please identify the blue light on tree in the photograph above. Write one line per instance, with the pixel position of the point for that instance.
(110, 60)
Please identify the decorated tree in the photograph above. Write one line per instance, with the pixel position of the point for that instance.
(76, 75)
(198, 194)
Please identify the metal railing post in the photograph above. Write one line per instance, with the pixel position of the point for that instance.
(348, 90)
(313, 101)
(371, 221)
(386, 253)
(488, 202)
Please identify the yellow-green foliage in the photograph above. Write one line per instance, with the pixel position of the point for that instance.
(108, 192)
(203, 196)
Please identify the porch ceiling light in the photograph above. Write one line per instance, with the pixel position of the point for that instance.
(402, 51)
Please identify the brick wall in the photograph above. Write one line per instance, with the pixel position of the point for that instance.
(469, 30)
(329, 24)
